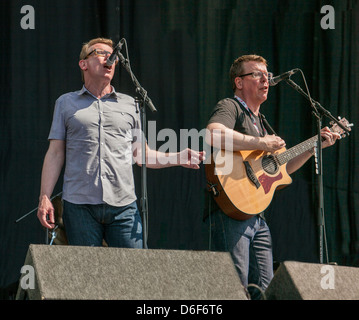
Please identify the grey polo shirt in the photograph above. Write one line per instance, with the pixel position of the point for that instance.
(99, 134)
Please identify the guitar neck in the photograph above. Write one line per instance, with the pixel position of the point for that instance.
(296, 150)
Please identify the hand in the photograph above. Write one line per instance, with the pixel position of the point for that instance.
(329, 136)
(191, 159)
(45, 212)
(273, 143)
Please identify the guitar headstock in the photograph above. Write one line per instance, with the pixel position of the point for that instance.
(336, 128)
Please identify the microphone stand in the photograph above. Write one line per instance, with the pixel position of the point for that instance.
(319, 112)
(140, 102)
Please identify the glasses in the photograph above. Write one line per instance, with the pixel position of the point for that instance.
(100, 53)
(258, 75)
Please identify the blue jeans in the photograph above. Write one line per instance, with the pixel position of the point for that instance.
(88, 225)
(250, 245)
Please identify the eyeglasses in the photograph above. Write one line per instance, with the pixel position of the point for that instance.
(101, 53)
(258, 75)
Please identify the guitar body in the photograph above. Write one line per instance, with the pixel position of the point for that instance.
(244, 182)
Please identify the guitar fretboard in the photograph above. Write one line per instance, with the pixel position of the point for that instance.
(296, 150)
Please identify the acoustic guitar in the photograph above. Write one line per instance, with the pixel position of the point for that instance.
(243, 182)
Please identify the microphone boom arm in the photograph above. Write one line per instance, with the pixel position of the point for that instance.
(139, 89)
(316, 104)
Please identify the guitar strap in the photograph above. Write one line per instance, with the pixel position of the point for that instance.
(261, 116)
(267, 125)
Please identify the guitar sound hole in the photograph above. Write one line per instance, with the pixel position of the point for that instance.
(269, 164)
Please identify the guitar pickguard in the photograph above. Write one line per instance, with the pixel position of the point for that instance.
(267, 181)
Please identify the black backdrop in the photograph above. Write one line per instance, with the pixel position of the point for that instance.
(181, 52)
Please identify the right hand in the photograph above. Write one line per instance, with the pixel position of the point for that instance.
(46, 212)
(273, 143)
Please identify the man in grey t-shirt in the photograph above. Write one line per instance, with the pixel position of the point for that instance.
(239, 120)
(96, 131)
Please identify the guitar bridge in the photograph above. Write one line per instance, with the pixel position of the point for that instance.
(250, 174)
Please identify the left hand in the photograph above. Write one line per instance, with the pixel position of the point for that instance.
(329, 136)
(191, 159)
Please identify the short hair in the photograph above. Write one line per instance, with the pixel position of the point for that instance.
(237, 66)
(85, 48)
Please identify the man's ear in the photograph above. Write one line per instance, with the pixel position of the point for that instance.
(238, 82)
(83, 65)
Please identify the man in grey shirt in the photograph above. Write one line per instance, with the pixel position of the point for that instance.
(97, 132)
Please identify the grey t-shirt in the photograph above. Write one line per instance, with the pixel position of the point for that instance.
(229, 113)
(99, 134)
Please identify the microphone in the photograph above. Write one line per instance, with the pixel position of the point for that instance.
(111, 60)
(275, 80)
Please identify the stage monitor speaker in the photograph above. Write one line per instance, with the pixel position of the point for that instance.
(309, 281)
(102, 273)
